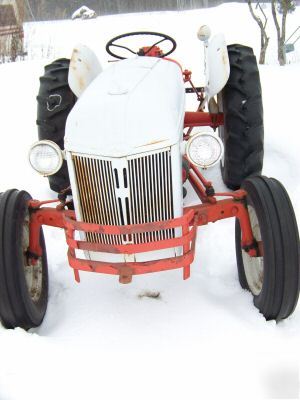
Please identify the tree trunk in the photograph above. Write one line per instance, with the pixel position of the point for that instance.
(263, 50)
(281, 53)
(282, 41)
(280, 33)
(264, 40)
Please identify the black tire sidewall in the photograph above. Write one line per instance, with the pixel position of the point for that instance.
(18, 309)
(243, 131)
(51, 124)
(280, 238)
(266, 220)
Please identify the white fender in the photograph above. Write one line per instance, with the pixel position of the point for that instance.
(84, 68)
(217, 65)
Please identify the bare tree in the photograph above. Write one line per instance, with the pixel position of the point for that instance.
(283, 7)
(264, 39)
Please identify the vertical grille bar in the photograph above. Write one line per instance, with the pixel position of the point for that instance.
(155, 192)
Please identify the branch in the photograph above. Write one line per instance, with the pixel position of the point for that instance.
(283, 23)
(263, 13)
(257, 19)
(275, 18)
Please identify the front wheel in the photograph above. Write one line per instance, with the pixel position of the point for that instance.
(23, 287)
(273, 277)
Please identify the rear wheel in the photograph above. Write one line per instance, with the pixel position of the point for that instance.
(23, 287)
(243, 130)
(272, 278)
(55, 101)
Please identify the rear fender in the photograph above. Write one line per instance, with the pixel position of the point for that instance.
(84, 68)
(217, 65)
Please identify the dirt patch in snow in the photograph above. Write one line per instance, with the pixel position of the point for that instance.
(149, 293)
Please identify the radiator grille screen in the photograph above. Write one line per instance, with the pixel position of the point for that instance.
(151, 193)
(139, 192)
(97, 196)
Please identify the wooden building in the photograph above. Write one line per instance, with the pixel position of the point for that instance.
(11, 31)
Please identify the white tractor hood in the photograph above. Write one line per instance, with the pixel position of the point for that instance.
(134, 106)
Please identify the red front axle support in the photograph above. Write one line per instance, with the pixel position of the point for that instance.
(191, 219)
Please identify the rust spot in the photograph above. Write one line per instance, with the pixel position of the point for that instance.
(260, 249)
(235, 211)
(125, 274)
(203, 218)
(125, 279)
(81, 83)
(224, 58)
(92, 268)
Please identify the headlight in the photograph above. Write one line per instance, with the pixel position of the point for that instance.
(204, 149)
(45, 157)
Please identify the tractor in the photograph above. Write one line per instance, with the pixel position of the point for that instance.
(118, 147)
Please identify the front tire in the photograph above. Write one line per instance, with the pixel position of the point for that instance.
(23, 287)
(272, 278)
(243, 130)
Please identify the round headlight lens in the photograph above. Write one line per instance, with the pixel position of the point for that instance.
(45, 157)
(204, 149)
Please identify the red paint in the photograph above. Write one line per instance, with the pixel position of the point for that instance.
(187, 75)
(193, 217)
(151, 51)
(200, 118)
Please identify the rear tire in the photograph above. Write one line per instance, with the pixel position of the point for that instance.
(273, 278)
(55, 101)
(243, 130)
(23, 287)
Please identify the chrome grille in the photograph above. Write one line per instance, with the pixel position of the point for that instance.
(151, 193)
(135, 190)
(97, 196)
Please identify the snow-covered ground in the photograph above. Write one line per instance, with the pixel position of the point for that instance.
(202, 338)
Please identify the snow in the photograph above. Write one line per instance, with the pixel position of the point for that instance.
(201, 338)
(84, 13)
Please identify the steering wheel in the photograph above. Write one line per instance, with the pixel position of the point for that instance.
(162, 37)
